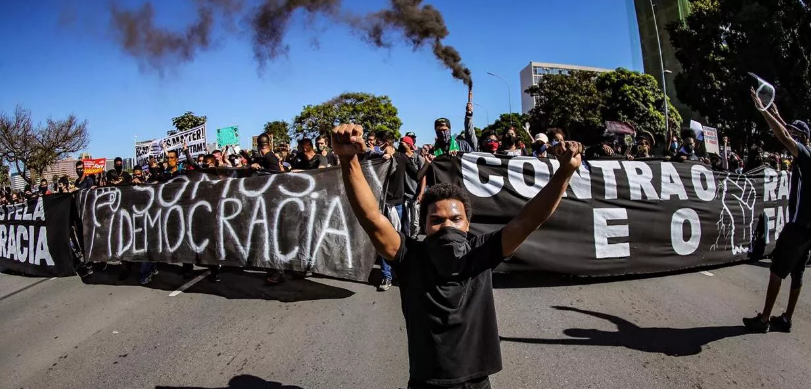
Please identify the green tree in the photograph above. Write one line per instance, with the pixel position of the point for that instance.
(185, 122)
(279, 131)
(505, 121)
(581, 102)
(721, 41)
(374, 113)
(636, 99)
(568, 101)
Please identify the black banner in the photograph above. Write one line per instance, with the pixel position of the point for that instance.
(34, 236)
(296, 221)
(624, 217)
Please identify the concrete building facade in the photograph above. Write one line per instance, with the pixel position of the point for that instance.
(532, 74)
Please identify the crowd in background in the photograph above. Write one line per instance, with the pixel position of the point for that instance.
(407, 180)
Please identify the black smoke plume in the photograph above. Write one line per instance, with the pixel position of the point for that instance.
(268, 21)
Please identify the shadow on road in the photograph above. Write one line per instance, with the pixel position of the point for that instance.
(235, 284)
(676, 342)
(241, 382)
(546, 279)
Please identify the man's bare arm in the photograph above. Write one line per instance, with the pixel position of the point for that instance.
(347, 142)
(777, 126)
(544, 204)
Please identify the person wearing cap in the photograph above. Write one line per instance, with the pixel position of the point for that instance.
(446, 143)
(791, 252)
(414, 187)
(412, 135)
(540, 145)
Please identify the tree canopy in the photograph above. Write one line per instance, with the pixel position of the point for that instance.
(278, 130)
(505, 121)
(722, 41)
(185, 122)
(582, 101)
(374, 113)
(33, 148)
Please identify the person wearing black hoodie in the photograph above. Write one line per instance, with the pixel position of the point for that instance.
(118, 164)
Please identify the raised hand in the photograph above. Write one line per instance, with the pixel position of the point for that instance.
(568, 154)
(347, 140)
(755, 99)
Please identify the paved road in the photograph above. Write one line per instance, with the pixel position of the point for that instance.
(679, 331)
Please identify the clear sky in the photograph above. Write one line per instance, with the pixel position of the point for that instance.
(58, 58)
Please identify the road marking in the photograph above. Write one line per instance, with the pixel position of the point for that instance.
(708, 274)
(188, 284)
(25, 287)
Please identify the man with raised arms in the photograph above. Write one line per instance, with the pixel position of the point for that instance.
(446, 287)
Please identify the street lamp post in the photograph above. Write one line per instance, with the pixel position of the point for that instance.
(662, 63)
(509, 91)
(486, 112)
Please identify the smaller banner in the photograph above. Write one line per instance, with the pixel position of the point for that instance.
(228, 136)
(711, 140)
(35, 236)
(619, 128)
(194, 138)
(94, 166)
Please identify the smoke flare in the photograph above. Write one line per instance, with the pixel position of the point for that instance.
(268, 22)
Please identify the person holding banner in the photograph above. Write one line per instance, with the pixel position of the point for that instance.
(791, 253)
(84, 181)
(446, 286)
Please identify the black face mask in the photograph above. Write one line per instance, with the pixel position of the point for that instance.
(446, 250)
(43, 189)
(79, 172)
(119, 168)
(443, 137)
(509, 140)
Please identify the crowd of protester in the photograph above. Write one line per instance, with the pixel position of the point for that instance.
(406, 182)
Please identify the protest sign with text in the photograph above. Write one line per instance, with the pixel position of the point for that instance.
(624, 217)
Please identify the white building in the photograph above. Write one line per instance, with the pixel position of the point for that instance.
(531, 75)
(18, 182)
(65, 167)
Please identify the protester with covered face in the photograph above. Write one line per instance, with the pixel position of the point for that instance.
(85, 181)
(490, 143)
(688, 151)
(43, 187)
(510, 144)
(138, 175)
(540, 146)
(449, 344)
(791, 254)
(642, 148)
(322, 144)
(118, 165)
(446, 144)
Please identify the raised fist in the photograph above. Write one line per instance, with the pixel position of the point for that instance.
(347, 140)
(568, 154)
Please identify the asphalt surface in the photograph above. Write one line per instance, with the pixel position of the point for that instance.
(677, 331)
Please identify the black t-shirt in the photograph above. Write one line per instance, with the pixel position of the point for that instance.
(302, 163)
(800, 194)
(394, 196)
(450, 322)
(331, 158)
(269, 162)
(87, 183)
